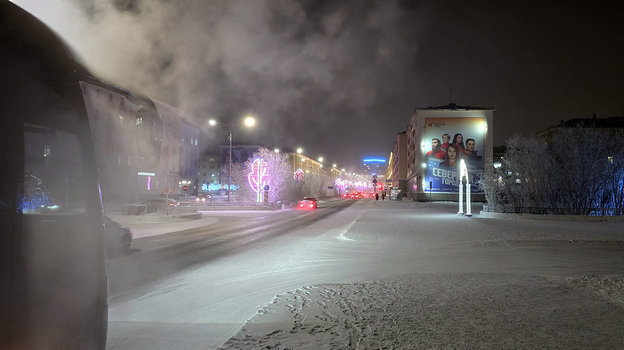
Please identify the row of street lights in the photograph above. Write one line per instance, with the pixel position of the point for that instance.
(249, 122)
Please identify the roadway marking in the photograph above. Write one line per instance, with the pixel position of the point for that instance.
(342, 234)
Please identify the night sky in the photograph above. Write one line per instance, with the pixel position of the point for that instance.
(341, 78)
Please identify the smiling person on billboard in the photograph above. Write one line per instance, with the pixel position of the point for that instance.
(470, 154)
(436, 150)
(451, 158)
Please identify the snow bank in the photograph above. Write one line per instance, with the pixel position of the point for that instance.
(441, 311)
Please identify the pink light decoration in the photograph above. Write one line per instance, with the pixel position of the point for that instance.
(149, 183)
(259, 175)
(298, 175)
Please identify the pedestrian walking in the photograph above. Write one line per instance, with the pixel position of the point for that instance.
(377, 196)
(383, 195)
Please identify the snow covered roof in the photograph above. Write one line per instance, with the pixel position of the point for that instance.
(454, 107)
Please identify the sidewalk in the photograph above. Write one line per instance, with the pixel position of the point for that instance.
(155, 224)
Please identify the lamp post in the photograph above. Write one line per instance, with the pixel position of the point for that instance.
(248, 122)
(230, 172)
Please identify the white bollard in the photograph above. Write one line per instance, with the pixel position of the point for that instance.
(468, 207)
(461, 197)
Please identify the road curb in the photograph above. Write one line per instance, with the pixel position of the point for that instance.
(579, 218)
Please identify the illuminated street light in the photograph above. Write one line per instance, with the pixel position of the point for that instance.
(299, 150)
(276, 150)
(333, 165)
(248, 122)
(320, 159)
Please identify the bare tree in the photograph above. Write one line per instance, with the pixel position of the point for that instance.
(574, 172)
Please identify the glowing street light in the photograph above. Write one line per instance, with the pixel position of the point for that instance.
(299, 150)
(320, 159)
(276, 150)
(334, 165)
(248, 122)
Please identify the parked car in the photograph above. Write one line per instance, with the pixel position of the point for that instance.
(156, 204)
(118, 238)
(308, 203)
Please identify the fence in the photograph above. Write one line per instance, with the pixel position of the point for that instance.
(507, 208)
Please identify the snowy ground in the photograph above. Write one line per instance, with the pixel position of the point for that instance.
(451, 310)
(468, 311)
(395, 275)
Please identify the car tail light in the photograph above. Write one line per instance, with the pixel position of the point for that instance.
(311, 205)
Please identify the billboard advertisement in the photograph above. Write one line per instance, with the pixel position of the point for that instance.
(448, 141)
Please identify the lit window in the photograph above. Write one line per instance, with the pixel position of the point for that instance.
(139, 121)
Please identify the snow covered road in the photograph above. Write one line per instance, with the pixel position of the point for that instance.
(396, 275)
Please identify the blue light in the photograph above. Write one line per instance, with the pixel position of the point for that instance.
(374, 160)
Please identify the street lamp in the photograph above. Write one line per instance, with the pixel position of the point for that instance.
(248, 122)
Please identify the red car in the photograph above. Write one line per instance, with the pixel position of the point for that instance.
(308, 203)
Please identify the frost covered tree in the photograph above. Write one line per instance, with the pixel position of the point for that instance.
(279, 171)
(574, 172)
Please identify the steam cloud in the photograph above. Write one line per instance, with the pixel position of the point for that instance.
(298, 65)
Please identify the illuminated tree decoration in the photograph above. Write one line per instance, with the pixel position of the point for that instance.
(298, 175)
(259, 176)
(340, 184)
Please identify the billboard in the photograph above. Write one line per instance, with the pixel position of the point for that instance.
(448, 141)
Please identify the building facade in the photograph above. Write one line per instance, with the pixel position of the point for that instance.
(209, 173)
(138, 144)
(127, 135)
(189, 158)
(439, 139)
(399, 162)
(169, 163)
